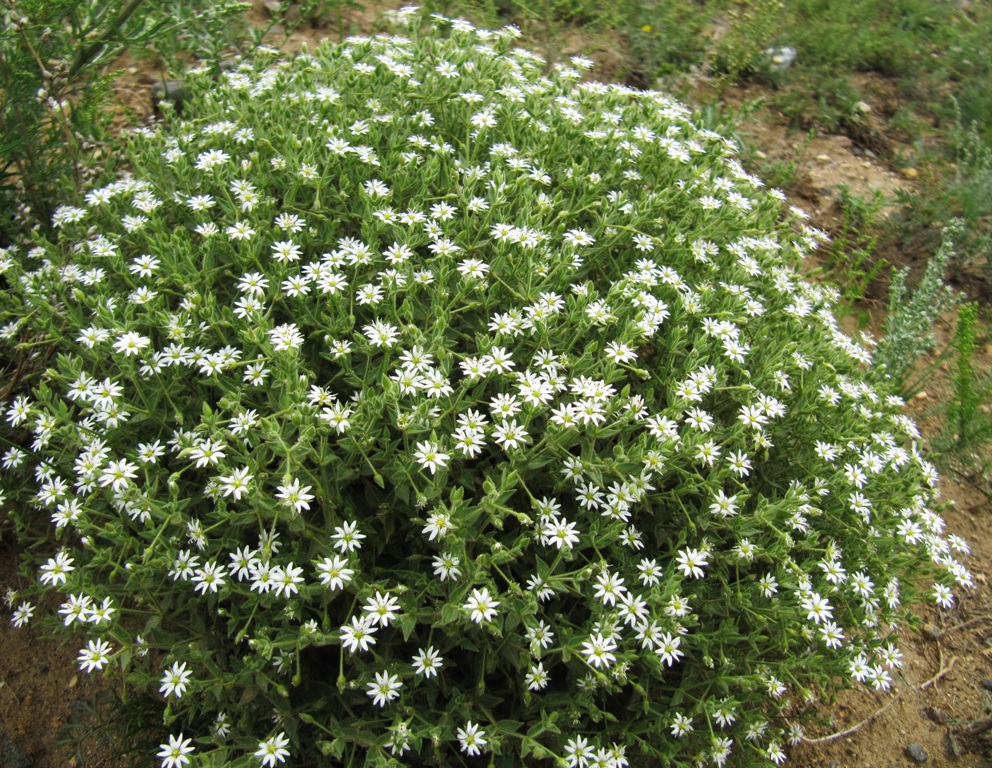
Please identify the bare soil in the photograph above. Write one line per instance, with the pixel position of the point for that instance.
(942, 698)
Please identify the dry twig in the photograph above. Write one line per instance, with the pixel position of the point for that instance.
(962, 625)
(853, 728)
(943, 671)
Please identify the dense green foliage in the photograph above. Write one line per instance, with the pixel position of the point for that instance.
(407, 403)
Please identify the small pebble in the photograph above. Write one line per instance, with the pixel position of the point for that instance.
(954, 745)
(12, 756)
(937, 715)
(171, 91)
(916, 752)
(987, 684)
(932, 632)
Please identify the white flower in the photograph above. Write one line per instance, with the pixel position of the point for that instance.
(385, 689)
(510, 434)
(768, 585)
(295, 497)
(22, 615)
(131, 343)
(438, 526)
(609, 586)
(472, 739)
(560, 533)
(347, 538)
(236, 484)
(382, 609)
(598, 650)
(207, 452)
(832, 635)
(723, 505)
(481, 606)
(429, 456)
(207, 160)
(334, 572)
(681, 725)
(536, 678)
(54, 572)
(175, 752)
(287, 581)
(285, 251)
(446, 566)
(381, 334)
(691, 562)
(208, 578)
(817, 608)
(273, 750)
(579, 753)
(174, 680)
(96, 655)
(668, 648)
(427, 662)
(357, 636)
(943, 596)
(286, 336)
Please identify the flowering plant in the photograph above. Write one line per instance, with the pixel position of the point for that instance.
(411, 403)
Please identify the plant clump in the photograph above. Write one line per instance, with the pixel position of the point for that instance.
(414, 402)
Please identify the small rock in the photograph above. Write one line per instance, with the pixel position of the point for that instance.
(987, 684)
(73, 682)
(132, 70)
(12, 756)
(933, 633)
(939, 716)
(954, 745)
(916, 752)
(171, 91)
(921, 396)
(910, 173)
(780, 59)
(823, 158)
(862, 107)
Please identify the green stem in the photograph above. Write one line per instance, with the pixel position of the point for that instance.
(87, 54)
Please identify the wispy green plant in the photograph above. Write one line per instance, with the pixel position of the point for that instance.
(970, 193)
(968, 431)
(55, 91)
(664, 38)
(852, 261)
(121, 730)
(909, 327)
(754, 24)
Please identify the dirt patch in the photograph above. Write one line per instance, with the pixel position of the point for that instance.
(42, 691)
(823, 164)
(944, 687)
